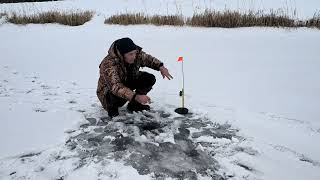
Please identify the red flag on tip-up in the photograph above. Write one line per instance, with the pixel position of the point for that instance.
(180, 58)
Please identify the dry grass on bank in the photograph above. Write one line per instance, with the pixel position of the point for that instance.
(66, 18)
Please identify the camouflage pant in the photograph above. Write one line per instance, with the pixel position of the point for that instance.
(142, 85)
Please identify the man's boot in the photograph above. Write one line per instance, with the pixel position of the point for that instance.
(134, 106)
(112, 111)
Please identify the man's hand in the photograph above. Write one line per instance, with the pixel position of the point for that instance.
(142, 99)
(165, 73)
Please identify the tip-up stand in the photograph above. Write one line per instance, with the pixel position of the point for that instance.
(181, 110)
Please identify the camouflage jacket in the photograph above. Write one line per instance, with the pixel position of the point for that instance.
(113, 73)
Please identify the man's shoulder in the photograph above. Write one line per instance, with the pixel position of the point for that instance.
(140, 55)
(141, 52)
(110, 61)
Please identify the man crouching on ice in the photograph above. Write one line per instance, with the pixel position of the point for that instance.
(121, 81)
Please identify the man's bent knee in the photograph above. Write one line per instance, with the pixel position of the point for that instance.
(148, 79)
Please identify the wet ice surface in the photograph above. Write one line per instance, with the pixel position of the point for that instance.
(153, 142)
(158, 144)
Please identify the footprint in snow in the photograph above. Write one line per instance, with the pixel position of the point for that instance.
(73, 102)
(299, 156)
(247, 150)
(40, 110)
(244, 166)
(34, 78)
(81, 110)
(49, 94)
(43, 86)
(30, 91)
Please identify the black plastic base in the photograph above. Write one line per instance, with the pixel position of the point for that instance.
(181, 111)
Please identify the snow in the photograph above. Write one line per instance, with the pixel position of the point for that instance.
(262, 81)
(112, 170)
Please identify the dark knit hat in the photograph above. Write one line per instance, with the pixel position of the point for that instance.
(125, 45)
